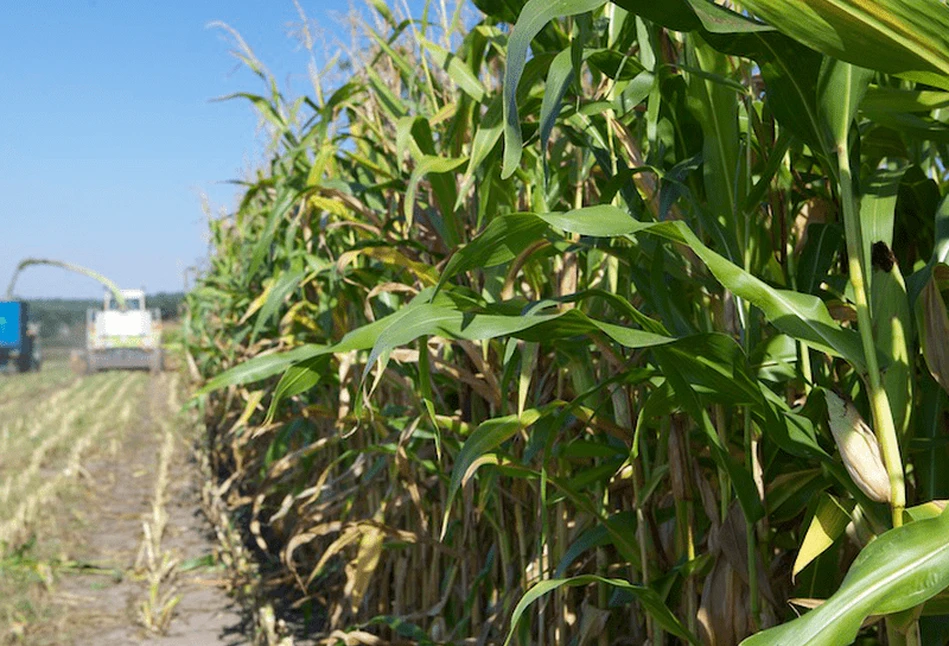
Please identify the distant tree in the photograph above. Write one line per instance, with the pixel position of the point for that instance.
(168, 302)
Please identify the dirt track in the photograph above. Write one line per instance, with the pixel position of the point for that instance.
(117, 534)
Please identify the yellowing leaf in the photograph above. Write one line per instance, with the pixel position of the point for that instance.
(253, 401)
(829, 521)
(426, 274)
(359, 572)
(258, 302)
(335, 207)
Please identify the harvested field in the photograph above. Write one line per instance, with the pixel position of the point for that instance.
(101, 535)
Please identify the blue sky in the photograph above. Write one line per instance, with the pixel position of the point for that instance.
(109, 137)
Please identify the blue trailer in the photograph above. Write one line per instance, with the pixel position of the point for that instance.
(18, 347)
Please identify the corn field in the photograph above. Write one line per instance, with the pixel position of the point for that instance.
(588, 322)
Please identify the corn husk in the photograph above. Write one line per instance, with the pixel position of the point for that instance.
(858, 448)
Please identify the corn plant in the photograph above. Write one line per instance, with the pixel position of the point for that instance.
(596, 321)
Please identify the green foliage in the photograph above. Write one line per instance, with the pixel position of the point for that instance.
(902, 568)
(550, 310)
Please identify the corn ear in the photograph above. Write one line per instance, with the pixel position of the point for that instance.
(858, 448)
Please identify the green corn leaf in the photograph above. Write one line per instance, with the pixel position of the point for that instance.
(485, 139)
(933, 325)
(284, 285)
(403, 628)
(840, 89)
(459, 72)
(888, 99)
(799, 315)
(438, 317)
(909, 38)
(899, 570)
(287, 197)
(716, 109)
(925, 511)
(893, 333)
(930, 427)
(597, 536)
(487, 437)
(429, 319)
(676, 367)
(672, 14)
(503, 10)
(383, 10)
(650, 601)
(613, 64)
(399, 61)
(260, 367)
(445, 192)
(559, 77)
(263, 366)
(298, 378)
(789, 69)
(502, 240)
(405, 141)
(534, 17)
(264, 106)
(821, 247)
(393, 105)
(790, 72)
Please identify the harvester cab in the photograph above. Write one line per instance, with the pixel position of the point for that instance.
(124, 337)
(19, 338)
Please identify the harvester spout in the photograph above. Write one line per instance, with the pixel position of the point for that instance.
(26, 262)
